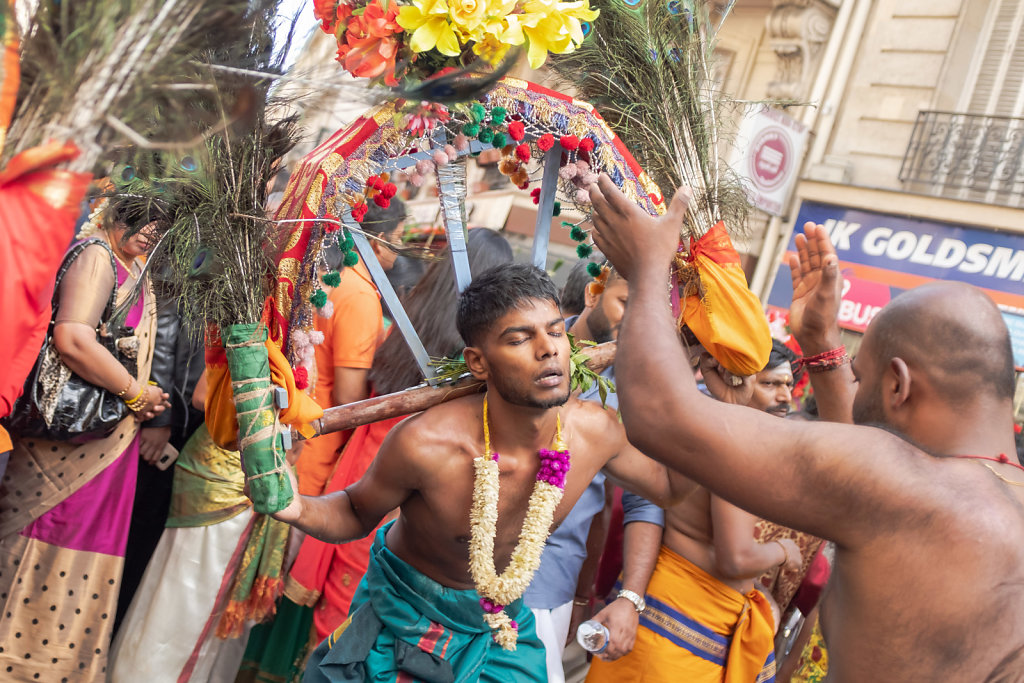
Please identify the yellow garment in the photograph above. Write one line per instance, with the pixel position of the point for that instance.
(220, 406)
(720, 309)
(696, 615)
(813, 667)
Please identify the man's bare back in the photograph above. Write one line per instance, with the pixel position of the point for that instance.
(930, 548)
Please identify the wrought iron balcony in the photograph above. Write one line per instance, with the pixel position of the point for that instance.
(969, 156)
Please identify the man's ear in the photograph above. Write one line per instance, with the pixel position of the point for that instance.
(897, 393)
(591, 296)
(476, 363)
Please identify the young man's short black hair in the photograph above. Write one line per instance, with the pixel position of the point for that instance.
(497, 291)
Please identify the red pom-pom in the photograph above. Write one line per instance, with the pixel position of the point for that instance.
(570, 142)
(382, 201)
(331, 227)
(375, 182)
(517, 130)
(587, 145)
(523, 153)
(359, 212)
(301, 378)
(546, 142)
(389, 190)
(535, 193)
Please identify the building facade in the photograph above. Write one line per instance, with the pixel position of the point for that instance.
(915, 155)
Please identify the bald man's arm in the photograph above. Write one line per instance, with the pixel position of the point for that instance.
(832, 480)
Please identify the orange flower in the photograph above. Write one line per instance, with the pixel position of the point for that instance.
(371, 43)
(326, 12)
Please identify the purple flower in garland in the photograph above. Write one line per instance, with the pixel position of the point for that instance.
(554, 465)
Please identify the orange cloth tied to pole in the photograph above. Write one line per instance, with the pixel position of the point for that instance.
(720, 309)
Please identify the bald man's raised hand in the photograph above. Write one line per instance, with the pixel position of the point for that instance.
(630, 237)
(817, 290)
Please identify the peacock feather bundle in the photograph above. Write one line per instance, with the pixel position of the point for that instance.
(648, 68)
(204, 204)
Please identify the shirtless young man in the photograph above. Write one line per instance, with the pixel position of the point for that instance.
(417, 610)
(930, 544)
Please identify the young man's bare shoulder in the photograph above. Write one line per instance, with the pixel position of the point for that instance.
(593, 415)
(438, 430)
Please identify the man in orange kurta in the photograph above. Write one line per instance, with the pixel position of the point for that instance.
(352, 331)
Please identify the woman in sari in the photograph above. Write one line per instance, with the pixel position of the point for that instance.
(65, 507)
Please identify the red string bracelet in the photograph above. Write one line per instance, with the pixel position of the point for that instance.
(825, 361)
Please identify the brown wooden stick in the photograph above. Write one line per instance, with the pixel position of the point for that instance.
(411, 401)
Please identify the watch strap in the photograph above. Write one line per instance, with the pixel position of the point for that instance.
(638, 602)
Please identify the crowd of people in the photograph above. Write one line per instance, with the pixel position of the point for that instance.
(697, 517)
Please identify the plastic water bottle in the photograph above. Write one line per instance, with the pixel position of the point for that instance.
(593, 636)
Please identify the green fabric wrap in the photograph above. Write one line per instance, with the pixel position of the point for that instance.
(259, 438)
(401, 620)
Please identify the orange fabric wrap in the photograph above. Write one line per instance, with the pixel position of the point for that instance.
(38, 209)
(746, 620)
(725, 315)
(220, 405)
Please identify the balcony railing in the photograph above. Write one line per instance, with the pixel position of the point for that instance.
(970, 156)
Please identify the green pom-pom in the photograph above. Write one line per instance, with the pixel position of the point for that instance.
(318, 299)
(347, 244)
(486, 135)
(471, 129)
(557, 209)
(477, 112)
(578, 234)
(351, 259)
(498, 116)
(593, 269)
(584, 250)
(567, 224)
(332, 279)
(498, 140)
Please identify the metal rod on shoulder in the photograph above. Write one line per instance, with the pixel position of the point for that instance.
(420, 398)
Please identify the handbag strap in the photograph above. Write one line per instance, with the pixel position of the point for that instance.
(69, 258)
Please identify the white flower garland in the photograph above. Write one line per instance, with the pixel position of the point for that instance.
(498, 591)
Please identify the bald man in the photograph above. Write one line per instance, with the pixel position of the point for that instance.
(929, 573)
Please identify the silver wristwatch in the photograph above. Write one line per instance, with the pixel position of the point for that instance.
(637, 600)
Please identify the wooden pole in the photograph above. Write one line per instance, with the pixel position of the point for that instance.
(418, 399)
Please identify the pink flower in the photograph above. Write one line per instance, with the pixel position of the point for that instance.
(582, 197)
(568, 172)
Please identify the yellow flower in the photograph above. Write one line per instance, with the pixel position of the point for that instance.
(427, 20)
(467, 16)
(548, 26)
(489, 48)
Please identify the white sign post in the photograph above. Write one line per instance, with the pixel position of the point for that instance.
(770, 147)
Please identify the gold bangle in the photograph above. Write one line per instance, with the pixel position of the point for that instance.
(128, 386)
(785, 553)
(139, 402)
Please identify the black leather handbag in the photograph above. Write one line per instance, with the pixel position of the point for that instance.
(56, 403)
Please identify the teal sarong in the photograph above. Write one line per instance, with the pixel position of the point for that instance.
(404, 626)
